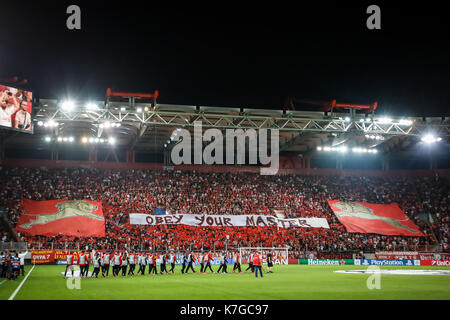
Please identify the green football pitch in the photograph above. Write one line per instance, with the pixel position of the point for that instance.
(288, 282)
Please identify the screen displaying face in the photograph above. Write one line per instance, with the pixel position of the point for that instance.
(15, 109)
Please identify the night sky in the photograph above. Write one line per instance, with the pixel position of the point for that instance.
(232, 55)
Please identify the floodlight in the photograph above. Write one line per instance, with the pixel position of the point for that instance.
(139, 109)
(71, 139)
(429, 138)
(405, 122)
(384, 120)
(40, 123)
(319, 148)
(48, 139)
(68, 105)
(84, 140)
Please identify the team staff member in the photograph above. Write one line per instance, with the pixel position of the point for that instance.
(257, 264)
(237, 262)
(22, 262)
(69, 263)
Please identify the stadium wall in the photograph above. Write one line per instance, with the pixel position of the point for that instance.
(34, 163)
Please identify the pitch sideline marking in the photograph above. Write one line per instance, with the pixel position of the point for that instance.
(2, 282)
(20, 285)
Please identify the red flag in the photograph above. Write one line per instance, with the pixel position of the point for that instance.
(79, 218)
(363, 217)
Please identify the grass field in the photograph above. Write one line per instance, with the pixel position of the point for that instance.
(290, 282)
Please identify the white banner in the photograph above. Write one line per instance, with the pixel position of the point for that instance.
(201, 220)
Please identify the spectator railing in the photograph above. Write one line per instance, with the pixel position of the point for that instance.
(17, 246)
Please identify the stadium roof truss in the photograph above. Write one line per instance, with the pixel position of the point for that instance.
(147, 125)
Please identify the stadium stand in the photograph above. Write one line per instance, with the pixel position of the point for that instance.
(140, 191)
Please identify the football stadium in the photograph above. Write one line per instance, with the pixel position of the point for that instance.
(129, 196)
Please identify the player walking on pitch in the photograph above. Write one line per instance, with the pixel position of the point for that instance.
(172, 259)
(69, 263)
(250, 263)
(208, 259)
(237, 262)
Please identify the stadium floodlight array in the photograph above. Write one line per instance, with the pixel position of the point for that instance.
(405, 122)
(68, 106)
(430, 138)
(108, 124)
(384, 120)
(374, 137)
(364, 150)
(93, 140)
(65, 139)
(47, 124)
(342, 149)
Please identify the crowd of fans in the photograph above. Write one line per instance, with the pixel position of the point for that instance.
(134, 191)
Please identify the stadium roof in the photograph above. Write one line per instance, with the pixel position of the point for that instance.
(149, 126)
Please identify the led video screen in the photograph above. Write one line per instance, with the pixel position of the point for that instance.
(15, 109)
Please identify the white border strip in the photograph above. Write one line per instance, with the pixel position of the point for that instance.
(2, 282)
(20, 285)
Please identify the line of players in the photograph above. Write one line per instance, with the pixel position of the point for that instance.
(120, 262)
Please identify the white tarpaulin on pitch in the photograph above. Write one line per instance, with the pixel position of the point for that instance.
(201, 220)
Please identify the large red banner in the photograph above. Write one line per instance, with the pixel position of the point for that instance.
(363, 217)
(78, 218)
